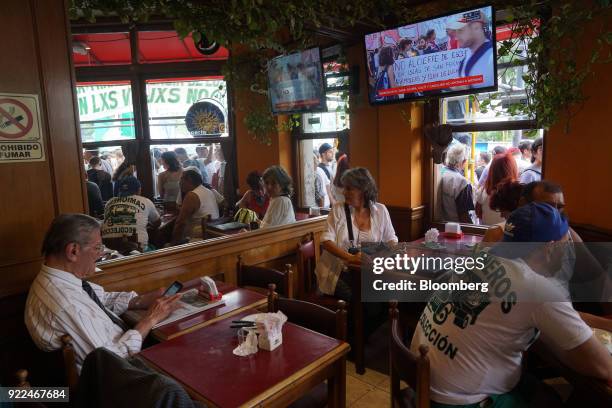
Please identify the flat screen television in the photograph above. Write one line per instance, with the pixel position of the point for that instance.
(451, 54)
(296, 83)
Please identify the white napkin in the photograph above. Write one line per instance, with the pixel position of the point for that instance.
(249, 346)
(432, 235)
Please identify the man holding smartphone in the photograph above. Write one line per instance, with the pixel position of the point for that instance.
(61, 302)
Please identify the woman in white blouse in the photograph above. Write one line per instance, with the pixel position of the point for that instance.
(370, 222)
(279, 186)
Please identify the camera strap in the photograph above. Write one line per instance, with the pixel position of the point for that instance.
(349, 224)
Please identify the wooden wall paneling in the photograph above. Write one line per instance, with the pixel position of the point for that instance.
(408, 222)
(58, 96)
(37, 62)
(211, 257)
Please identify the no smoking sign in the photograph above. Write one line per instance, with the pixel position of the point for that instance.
(20, 128)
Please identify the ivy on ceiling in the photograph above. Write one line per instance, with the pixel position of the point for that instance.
(261, 29)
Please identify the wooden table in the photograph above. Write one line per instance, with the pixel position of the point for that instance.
(588, 391)
(203, 362)
(236, 301)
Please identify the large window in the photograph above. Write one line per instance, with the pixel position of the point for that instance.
(165, 95)
(485, 125)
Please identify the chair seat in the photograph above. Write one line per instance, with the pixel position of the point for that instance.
(316, 398)
(327, 301)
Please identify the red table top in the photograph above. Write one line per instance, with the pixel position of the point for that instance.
(203, 361)
(234, 298)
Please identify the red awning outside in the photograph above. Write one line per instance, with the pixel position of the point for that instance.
(154, 47)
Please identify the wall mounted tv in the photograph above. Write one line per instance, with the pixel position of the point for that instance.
(451, 54)
(296, 83)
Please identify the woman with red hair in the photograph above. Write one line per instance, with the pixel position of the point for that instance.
(503, 170)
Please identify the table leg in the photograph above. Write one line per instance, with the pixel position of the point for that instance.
(359, 338)
(336, 385)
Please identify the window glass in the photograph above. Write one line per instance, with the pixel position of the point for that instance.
(187, 108)
(206, 157)
(105, 111)
(112, 155)
(337, 90)
(479, 149)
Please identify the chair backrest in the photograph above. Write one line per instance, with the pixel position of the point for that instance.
(312, 316)
(306, 266)
(260, 277)
(204, 222)
(406, 365)
(70, 367)
(124, 244)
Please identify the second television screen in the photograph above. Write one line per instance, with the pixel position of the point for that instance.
(451, 54)
(295, 82)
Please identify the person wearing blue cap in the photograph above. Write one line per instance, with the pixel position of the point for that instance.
(477, 339)
(129, 213)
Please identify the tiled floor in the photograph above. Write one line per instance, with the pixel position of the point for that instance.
(368, 390)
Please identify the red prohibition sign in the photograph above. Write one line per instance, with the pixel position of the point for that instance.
(4, 115)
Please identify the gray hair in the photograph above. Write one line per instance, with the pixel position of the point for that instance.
(278, 175)
(66, 229)
(360, 179)
(456, 155)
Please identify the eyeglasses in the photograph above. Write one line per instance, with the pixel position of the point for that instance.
(98, 247)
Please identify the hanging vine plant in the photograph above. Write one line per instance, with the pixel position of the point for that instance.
(549, 46)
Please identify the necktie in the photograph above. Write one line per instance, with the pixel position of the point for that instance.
(89, 290)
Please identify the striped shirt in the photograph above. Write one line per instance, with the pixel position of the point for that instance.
(58, 305)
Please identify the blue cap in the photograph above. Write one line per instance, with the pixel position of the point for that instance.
(128, 185)
(535, 222)
(324, 147)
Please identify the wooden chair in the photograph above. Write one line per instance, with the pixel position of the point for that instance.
(258, 278)
(310, 315)
(124, 245)
(308, 291)
(316, 318)
(60, 360)
(204, 222)
(407, 366)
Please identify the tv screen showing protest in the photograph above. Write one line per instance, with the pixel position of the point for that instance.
(295, 82)
(447, 55)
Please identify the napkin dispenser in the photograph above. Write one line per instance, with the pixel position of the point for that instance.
(453, 230)
(272, 334)
(270, 341)
(210, 288)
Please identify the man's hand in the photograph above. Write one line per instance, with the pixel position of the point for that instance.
(146, 300)
(158, 311)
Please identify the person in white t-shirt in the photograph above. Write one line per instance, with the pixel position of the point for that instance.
(279, 187)
(130, 213)
(325, 171)
(477, 339)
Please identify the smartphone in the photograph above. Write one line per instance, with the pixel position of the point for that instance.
(173, 289)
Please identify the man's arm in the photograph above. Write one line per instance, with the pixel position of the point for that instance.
(590, 359)
(191, 203)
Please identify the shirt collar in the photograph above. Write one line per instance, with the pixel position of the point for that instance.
(63, 275)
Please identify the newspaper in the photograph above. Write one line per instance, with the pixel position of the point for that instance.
(190, 303)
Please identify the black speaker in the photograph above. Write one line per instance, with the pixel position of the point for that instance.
(205, 46)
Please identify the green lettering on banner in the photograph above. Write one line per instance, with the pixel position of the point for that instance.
(83, 105)
(192, 95)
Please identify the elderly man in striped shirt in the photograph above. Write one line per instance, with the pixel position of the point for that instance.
(61, 302)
